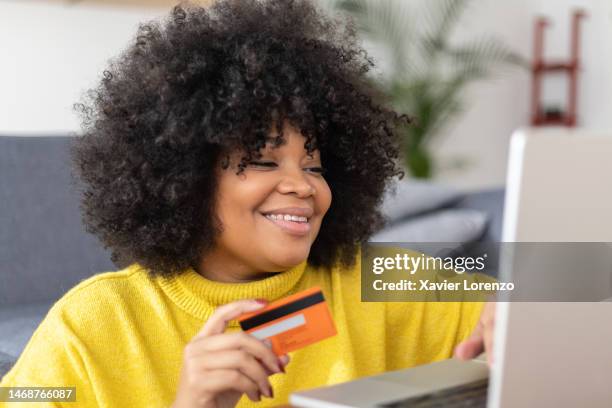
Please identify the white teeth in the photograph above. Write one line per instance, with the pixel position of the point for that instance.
(287, 217)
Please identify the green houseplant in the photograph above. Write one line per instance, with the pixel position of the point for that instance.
(428, 72)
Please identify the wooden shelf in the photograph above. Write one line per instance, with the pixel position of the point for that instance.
(569, 67)
(555, 66)
(562, 121)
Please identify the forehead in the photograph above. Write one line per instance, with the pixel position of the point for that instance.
(289, 141)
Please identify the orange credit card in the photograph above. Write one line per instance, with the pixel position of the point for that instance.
(292, 322)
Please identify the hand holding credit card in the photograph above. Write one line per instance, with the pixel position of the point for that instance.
(292, 322)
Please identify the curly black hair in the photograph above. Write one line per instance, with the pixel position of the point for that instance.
(206, 81)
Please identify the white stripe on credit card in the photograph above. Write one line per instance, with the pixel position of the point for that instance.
(279, 327)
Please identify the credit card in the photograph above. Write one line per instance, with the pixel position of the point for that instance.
(292, 322)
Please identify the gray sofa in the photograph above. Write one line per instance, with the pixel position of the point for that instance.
(44, 250)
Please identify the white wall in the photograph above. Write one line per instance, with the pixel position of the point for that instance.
(497, 108)
(494, 108)
(51, 54)
(54, 52)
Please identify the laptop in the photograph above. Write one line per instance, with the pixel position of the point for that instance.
(553, 348)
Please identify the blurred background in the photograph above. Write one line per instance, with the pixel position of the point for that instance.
(54, 50)
(465, 70)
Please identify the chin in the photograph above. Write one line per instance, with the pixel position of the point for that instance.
(290, 259)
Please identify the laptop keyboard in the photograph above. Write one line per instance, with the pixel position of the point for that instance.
(466, 395)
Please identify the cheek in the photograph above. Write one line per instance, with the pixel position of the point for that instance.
(324, 197)
(240, 199)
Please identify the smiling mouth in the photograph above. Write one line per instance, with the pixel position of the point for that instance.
(293, 225)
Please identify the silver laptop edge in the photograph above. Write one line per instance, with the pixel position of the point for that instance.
(572, 369)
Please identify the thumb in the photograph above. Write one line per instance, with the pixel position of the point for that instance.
(217, 323)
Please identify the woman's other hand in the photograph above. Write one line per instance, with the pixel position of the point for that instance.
(481, 338)
(219, 367)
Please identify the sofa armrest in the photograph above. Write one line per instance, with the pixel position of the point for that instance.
(6, 362)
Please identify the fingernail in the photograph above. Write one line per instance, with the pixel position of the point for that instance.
(267, 343)
(284, 359)
(261, 301)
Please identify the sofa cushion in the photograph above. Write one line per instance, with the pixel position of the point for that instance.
(490, 201)
(407, 198)
(44, 249)
(447, 226)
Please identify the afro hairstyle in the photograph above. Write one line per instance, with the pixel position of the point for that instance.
(206, 81)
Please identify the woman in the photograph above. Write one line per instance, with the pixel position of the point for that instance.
(232, 156)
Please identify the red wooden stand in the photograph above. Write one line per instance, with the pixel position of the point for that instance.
(539, 116)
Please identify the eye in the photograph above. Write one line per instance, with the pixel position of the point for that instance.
(268, 164)
(271, 164)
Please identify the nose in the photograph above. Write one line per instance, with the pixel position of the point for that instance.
(294, 180)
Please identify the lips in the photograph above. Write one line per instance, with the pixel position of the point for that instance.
(295, 228)
(291, 227)
(297, 211)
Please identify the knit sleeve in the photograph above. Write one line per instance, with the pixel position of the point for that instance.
(428, 330)
(424, 332)
(53, 357)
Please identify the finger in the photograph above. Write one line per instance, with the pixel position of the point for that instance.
(488, 344)
(255, 397)
(472, 346)
(284, 359)
(230, 380)
(489, 326)
(243, 361)
(217, 323)
(240, 340)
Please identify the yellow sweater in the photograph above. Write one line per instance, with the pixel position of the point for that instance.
(119, 336)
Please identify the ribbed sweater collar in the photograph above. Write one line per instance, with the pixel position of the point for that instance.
(200, 296)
